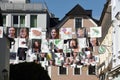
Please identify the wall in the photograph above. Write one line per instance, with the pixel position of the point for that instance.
(116, 37)
(70, 76)
(42, 21)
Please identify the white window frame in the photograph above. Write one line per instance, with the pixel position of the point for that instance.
(17, 25)
(95, 71)
(75, 24)
(81, 21)
(80, 70)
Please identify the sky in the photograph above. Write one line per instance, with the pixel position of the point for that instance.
(61, 7)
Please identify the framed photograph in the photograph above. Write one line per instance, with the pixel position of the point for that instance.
(23, 32)
(12, 32)
(66, 33)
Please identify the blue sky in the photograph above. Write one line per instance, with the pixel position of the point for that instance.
(61, 7)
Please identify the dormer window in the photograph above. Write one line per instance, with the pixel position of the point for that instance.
(78, 23)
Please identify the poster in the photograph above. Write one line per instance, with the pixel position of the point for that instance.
(36, 33)
(95, 32)
(66, 33)
(1, 32)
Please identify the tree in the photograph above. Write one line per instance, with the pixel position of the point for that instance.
(28, 71)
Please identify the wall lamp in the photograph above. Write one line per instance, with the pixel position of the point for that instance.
(116, 22)
(117, 16)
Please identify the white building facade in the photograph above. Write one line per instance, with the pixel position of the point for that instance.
(114, 73)
(116, 32)
(17, 13)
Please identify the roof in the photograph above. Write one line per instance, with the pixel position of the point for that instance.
(104, 11)
(76, 11)
(23, 7)
(54, 22)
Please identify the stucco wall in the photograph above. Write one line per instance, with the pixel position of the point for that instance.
(70, 76)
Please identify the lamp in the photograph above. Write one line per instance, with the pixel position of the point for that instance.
(5, 74)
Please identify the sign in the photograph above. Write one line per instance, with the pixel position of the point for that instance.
(102, 49)
(95, 32)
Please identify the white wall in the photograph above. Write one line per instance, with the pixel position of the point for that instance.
(42, 20)
(8, 20)
(116, 32)
(27, 20)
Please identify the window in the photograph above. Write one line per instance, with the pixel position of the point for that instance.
(22, 20)
(19, 20)
(15, 20)
(4, 20)
(91, 70)
(78, 23)
(77, 71)
(62, 70)
(33, 21)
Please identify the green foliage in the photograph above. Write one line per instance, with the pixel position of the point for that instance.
(28, 71)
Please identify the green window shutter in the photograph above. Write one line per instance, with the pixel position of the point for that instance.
(22, 21)
(33, 21)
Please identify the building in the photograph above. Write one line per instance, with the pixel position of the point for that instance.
(22, 13)
(105, 62)
(115, 19)
(76, 18)
(91, 63)
(114, 74)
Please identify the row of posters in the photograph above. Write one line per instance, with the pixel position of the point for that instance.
(37, 33)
